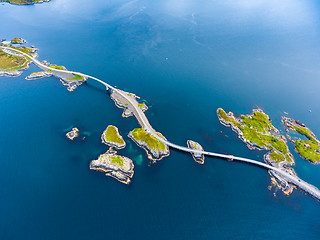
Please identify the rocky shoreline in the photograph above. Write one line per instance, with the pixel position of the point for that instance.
(18, 41)
(38, 75)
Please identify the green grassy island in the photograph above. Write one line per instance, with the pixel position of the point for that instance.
(308, 149)
(24, 2)
(257, 132)
(155, 149)
(112, 138)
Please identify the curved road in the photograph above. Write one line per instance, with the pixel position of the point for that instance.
(310, 189)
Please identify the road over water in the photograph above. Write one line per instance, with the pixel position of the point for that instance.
(282, 174)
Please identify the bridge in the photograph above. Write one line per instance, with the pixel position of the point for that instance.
(144, 122)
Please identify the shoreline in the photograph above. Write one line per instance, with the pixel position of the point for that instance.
(254, 146)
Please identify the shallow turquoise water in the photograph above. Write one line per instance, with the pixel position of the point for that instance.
(185, 59)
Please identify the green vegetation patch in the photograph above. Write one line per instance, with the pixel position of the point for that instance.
(76, 77)
(112, 135)
(275, 155)
(306, 132)
(17, 40)
(57, 67)
(256, 129)
(25, 50)
(141, 105)
(308, 149)
(141, 135)
(11, 62)
(117, 160)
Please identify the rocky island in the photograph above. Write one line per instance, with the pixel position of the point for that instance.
(11, 62)
(198, 157)
(257, 132)
(38, 75)
(155, 149)
(73, 133)
(112, 138)
(72, 81)
(24, 2)
(118, 167)
(308, 149)
(18, 40)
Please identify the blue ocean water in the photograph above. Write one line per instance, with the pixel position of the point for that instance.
(185, 59)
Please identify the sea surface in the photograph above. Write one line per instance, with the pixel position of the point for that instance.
(185, 58)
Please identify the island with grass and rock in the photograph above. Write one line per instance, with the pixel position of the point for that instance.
(112, 138)
(116, 166)
(24, 2)
(198, 157)
(308, 149)
(155, 149)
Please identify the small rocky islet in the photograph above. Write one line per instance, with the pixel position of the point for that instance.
(112, 138)
(15, 57)
(24, 2)
(257, 132)
(155, 149)
(197, 157)
(73, 133)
